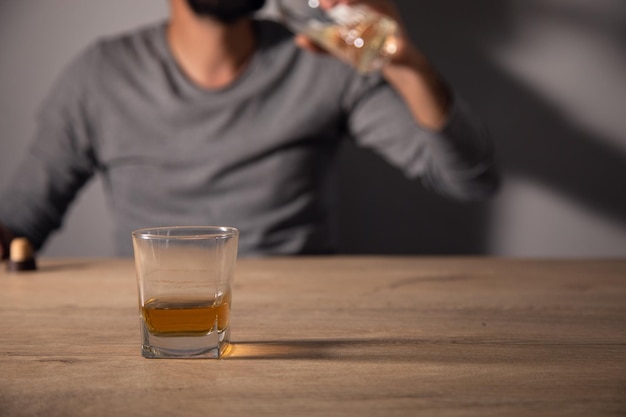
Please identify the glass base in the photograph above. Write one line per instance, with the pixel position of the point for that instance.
(212, 345)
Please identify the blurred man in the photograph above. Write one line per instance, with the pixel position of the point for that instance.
(214, 117)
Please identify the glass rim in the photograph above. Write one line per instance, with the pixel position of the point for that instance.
(185, 232)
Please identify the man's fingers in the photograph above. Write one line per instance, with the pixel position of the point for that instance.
(305, 43)
(329, 4)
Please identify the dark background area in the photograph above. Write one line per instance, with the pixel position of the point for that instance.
(535, 140)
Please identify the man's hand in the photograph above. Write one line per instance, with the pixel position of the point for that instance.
(5, 241)
(424, 92)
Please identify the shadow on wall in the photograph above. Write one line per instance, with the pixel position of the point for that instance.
(382, 212)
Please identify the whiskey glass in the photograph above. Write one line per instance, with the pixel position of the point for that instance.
(184, 282)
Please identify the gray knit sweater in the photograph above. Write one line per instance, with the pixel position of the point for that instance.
(257, 155)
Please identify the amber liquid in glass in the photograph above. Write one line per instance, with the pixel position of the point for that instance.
(175, 317)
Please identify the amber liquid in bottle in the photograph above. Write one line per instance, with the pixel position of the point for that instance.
(364, 40)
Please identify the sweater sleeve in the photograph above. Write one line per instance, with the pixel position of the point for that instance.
(59, 160)
(457, 162)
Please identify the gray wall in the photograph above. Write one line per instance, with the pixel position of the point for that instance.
(548, 76)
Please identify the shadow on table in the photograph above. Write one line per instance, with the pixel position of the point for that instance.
(318, 349)
(475, 350)
(387, 350)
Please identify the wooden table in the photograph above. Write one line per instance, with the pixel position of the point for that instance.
(328, 336)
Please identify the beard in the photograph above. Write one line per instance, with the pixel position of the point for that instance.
(226, 11)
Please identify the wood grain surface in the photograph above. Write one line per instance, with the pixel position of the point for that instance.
(328, 336)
